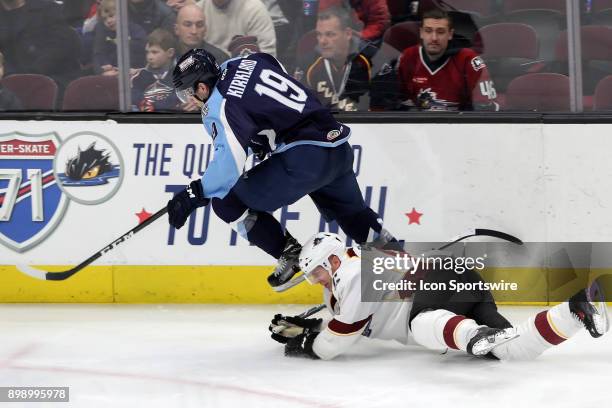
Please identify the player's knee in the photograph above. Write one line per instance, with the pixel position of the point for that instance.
(225, 212)
(427, 328)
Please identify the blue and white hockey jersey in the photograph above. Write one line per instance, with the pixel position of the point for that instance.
(257, 107)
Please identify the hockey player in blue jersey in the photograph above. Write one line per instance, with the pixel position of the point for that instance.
(252, 106)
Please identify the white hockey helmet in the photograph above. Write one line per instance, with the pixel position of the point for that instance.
(316, 252)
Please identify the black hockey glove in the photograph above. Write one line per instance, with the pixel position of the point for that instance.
(185, 202)
(284, 328)
(301, 346)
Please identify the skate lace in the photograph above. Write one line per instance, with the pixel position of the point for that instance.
(282, 263)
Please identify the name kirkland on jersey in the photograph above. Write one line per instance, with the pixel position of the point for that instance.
(241, 78)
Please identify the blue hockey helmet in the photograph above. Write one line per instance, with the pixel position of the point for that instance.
(194, 67)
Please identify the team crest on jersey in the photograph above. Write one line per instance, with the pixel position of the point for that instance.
(88, 168)
(478, 63)
(31, 202)
(332, 134)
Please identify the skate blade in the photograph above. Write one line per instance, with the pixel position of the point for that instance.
(288, 285)
(603, 322)
(486, 350)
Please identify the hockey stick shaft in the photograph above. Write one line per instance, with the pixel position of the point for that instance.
(313, 310)
(40, 274)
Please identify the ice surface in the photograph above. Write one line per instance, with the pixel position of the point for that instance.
(222, 356)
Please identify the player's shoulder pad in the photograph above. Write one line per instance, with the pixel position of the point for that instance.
(262, 56)
(348, 276)
(225, 63)
(410, 52)
(470, 58)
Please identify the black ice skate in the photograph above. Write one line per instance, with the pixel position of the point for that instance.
(592, 314)
(487, 338)
(287, 267)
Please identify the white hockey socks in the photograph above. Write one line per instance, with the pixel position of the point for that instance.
(539, 333)
(441, 329)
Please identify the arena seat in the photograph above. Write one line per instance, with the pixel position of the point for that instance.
(510, 6)
(92, 93)
(596, 45)
(509, 50)
(547, 17)
(403, 35)
(602, 99)
(482, 8)
(541, 92)
(36, 92)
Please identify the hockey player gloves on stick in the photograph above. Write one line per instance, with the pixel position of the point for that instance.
(284, 328)
(301, 345)
(185, 202)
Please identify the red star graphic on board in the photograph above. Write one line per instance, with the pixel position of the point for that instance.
(143, 215)
(414, 217)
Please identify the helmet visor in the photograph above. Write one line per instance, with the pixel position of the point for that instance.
(316, 275)
(185, 95)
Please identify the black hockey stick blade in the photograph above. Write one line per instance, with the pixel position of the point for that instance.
(485, 232)
(58, 276)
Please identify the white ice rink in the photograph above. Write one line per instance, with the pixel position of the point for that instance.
(222, 356)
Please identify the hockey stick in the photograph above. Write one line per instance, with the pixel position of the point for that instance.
(477, 232)
(58, 276)
(307, 313)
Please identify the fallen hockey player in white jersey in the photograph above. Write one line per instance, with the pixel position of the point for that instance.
(472, 325)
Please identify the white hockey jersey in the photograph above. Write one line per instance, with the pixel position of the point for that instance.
(353, 318)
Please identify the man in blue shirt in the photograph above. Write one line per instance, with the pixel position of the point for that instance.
(252, 106)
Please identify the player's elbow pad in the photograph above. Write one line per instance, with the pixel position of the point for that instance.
(328, 345)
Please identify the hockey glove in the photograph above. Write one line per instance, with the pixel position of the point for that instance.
(185, 202)
(284, 328)
(301, 346)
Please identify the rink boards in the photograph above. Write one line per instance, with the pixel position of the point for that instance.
(540, 182)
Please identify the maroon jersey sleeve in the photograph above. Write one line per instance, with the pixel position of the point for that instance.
(479, 81)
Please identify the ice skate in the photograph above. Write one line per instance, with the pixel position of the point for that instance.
(287, 267)
(487, 338)
(592, 314)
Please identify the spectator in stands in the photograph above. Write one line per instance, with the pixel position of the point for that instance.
(35, 39)
(243, 45)
(105, 46)
(152, 88)
(151, 14)
(282, 29)
(8, 100)
(434, 76)
(190, 29)
(338, 72)
(228, 18)
(176, 5)
(372, 17)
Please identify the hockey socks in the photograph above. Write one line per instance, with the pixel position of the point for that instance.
(263, 230)
(441, 329)
(556, 325)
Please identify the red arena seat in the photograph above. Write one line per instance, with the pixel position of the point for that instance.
(92, 93)
(36, 92)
